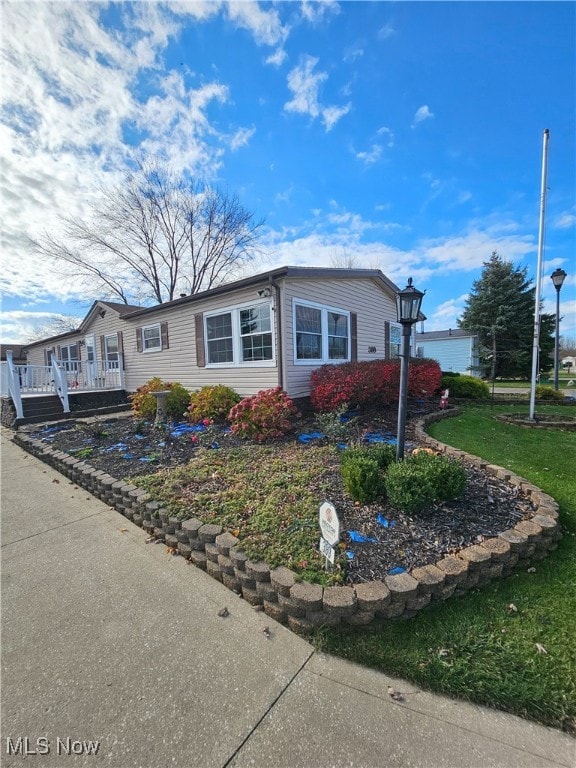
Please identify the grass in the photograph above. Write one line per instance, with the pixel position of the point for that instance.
(479, 648)
(267, 495)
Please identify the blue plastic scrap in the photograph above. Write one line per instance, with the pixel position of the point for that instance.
(306, 438)
(358, 537)
(117, 447)
(395, 571)
(384, 522)
(350, 555)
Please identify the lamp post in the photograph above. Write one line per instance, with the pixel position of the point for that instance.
(558, 277)
(408, 304)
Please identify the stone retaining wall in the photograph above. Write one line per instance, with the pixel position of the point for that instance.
(305, 607)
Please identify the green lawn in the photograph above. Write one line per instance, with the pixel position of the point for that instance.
(477, 647)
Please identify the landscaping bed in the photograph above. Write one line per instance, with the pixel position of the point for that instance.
(268, 495)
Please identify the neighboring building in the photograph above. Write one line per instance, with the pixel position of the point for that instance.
(18, 352)
(455, 350)
(267, 330)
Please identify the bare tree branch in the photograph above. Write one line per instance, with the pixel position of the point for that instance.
(155, 236)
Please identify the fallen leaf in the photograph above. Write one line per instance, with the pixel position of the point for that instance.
(266, 632)
(223, 612)
(531, 570)
(396, 695)
(540, 648)
(55, 480)
(512, 608)
(171, 551)
(123, 530)
(443, 652)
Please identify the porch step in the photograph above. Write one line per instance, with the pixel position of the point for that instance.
(43, 408)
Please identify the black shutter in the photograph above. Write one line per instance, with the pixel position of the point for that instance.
(387, 340)
(164, 335)
(199, 331)
(139, 341)
(353, 337)
(120, 338)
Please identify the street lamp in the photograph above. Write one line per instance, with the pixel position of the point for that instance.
(408, 304)
(558, 277)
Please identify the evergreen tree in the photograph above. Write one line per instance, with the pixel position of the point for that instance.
(500, 309)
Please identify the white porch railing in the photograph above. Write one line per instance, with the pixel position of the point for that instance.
(61, 378)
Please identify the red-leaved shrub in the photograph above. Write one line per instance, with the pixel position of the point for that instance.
(267, 414)
(371, 382)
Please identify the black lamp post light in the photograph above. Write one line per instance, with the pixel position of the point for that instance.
(408, 304)
(558, 277)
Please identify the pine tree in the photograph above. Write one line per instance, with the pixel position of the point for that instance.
(500, 309)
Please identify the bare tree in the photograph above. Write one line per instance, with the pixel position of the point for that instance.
(54, 327)
(156, 236)
(344, 260)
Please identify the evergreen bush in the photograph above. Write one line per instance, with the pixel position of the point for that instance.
(465, 386)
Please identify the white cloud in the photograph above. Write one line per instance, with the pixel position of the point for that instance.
(331, 115)
(241, 138)
(386, 32)
(17, 327)
(277, 58)
(305, 84)
(384, 131)
(565, 220)
(422, 113)
(318, 9)
(372, 156)
(446, 314)
(265, 26)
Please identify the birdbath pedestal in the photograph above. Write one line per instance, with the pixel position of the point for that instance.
(161, 398)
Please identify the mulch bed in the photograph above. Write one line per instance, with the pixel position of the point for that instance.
(127, 448)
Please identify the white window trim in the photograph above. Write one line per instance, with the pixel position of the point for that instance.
(107, 351)
(237, 362)
(324, 327)
(152, 349)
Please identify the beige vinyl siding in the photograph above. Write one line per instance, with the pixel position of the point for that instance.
(178, 362)
(362, 296)
(36, 352)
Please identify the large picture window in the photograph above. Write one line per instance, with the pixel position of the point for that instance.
(321, 334)
(239, 336)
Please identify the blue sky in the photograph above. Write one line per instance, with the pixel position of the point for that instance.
(406, 136)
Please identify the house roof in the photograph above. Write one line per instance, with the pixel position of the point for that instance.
(451, 333)
(17, 350)
(270, 276)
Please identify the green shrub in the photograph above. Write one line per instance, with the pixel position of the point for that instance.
(446, 476)
(383, 454)
(144, 403)
(212, 402)
(407, 487)
(548, 393)
(465, 386)
(268, 414)
(421, 479)
(362, 478)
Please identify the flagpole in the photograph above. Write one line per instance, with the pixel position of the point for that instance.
(536, 345)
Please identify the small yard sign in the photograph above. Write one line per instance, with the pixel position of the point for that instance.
(330, 527)
(329, 523)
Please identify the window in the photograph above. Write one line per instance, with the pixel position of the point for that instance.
(151, 338)
(256, 334)
(395, 340)
(321, 334)
(239, 336)
(219, 338)
(111, 348)
(69, 356)
(90, 349)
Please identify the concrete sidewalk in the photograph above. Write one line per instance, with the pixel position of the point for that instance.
(108, 639)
